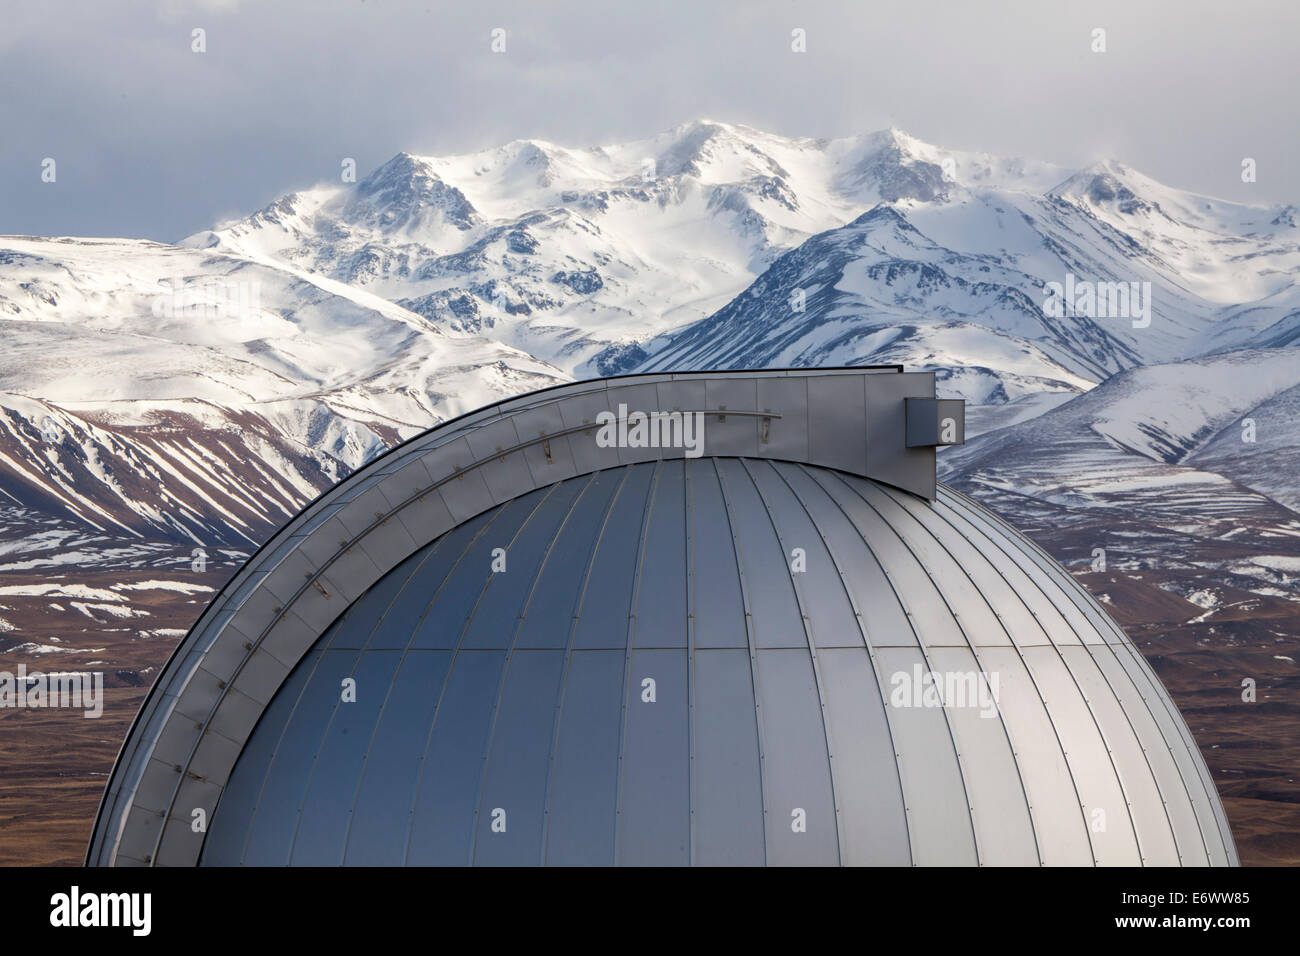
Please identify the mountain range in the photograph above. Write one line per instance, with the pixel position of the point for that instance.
(1128, 352)
(202, 391)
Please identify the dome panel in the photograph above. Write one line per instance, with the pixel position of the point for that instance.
(267, 835)
(441, 826)
(392, 770)
(1056, 617)
(872, 822)
(929, 765)
(819, 593)
(228, 833)
(1150, 819)
(559, 586)
(662, 589)
(1004, 831)
(582, 804)
(495, 618)
(603, 614)
(797, 789)
(765, 563)
(325, 814)
(1164, 767)
(1102, 798)
(654, 820)
(519, 759)
(717, 608)
(726, 781)
(1050, 789)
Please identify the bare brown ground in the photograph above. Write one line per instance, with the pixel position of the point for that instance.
(54, 762)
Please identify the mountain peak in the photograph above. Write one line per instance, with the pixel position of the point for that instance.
(889, 163)
(404, 187)
(692, 147)
(403, 171)
(1106, 183)
(893, 136)
(700, 123)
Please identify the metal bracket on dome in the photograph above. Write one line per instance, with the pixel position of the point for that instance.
(935, 422)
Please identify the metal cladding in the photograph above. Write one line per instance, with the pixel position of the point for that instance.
(536, 636)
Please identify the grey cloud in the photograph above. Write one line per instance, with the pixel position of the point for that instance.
(152, 140)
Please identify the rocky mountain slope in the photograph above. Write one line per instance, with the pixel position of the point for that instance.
(159, 390)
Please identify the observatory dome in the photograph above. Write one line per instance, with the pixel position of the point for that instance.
(708, 618)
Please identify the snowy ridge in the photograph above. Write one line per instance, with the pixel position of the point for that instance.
(181, 476)
(145, 387)
(298, 342)
(580, 255)
(894, 285)
(1193, 447)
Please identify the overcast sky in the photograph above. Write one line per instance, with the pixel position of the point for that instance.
(153, 140)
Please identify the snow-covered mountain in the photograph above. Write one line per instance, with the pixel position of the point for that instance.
(579, 256)
(958, 284)
(1189, 465)
(686, 249)
(142, 384)
(152, 389)
(1153, 429)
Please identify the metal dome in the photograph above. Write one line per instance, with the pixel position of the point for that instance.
(792, 649)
